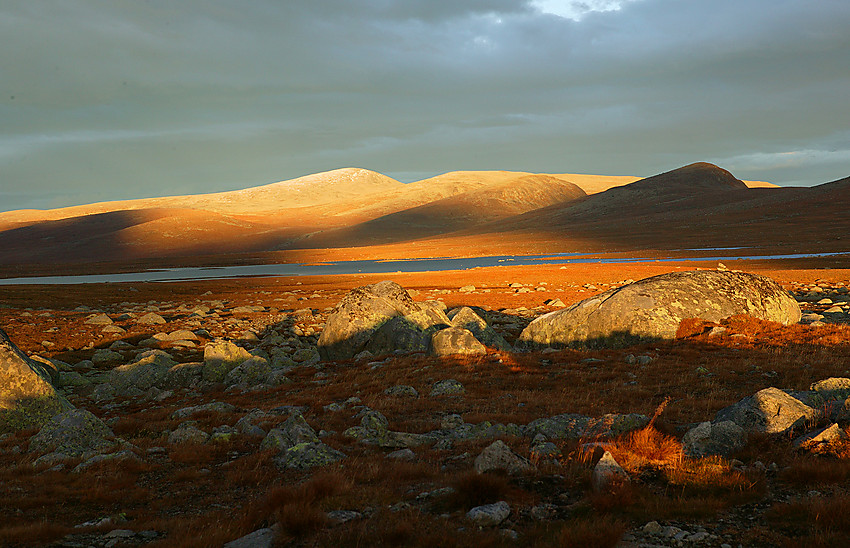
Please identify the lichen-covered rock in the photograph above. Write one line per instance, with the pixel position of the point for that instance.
(182, 375)
(466, 318)
(119, 456)
(357, 317)
(397, 334)
(456, 340)
(148, 369)
(768, 411)
(573, 426)
(27, 397)
(402, 390)
(73, 433)
(213, 406)
(220, 357)
(719, 438)
(374, 430)
(448, 387)
(653, 308)
(292, 432)
(308, 455)
(498, 456)
(188, 433)
(253, 371)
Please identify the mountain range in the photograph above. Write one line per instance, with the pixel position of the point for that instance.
(357, 213)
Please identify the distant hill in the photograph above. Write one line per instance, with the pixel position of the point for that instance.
(357, 213)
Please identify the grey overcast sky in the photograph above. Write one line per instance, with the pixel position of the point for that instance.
(114, 99)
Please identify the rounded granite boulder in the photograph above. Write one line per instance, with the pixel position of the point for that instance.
(654, 307)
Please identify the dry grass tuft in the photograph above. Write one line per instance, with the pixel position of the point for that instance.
(474, 489)
(603, 532)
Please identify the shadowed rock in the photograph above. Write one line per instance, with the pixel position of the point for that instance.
(721, 438)
(353, 324)
(498, 456)
(456, 340)
(27, 398)
(466, 318)
(653, 308)
(768, 411)
(73, 433)
(608, 474)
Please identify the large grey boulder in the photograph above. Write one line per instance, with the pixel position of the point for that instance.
(220, 357)
(456, 340)
(27, 397)
(73, 433)
(768, 411)
(654, 307)
(149, 369)
(354, 321)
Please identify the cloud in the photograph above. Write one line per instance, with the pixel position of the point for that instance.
(570, 9)
(129, 99)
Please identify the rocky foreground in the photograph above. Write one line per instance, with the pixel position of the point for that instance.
(415, 417)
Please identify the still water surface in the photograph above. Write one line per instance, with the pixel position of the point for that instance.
(376, 267)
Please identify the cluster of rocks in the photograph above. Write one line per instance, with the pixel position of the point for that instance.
(813, 415)
(823, 302)
(382, 318)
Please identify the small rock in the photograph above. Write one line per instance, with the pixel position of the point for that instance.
(446, 388)
(489, 515)
(608, 473)
(498, 456)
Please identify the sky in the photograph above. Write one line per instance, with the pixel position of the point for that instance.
(118, 99)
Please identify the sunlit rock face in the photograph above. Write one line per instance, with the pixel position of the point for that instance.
(27, 397)
(357, 322)
(654, 307)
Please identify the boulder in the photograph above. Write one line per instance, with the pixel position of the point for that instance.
(490, 514)
(498, 456)
(27, 397)
(821, 436)
(720, 438)
(768, 411)
(396, 334)
(354, 321)
(308, 455)
(73, 433)
(608, 473)
(466, 318)
(187, 432)
(149, 369)
(653, 308)
(220, 357)
(456, 340)
(291, 433)
(574, 426)
(253, 371)
(448, 387)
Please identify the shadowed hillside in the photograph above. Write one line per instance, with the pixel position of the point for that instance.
(356, 213)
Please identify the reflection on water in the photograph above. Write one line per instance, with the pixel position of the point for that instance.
(377, 267)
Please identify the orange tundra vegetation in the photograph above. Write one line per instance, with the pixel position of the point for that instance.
(206, 495)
